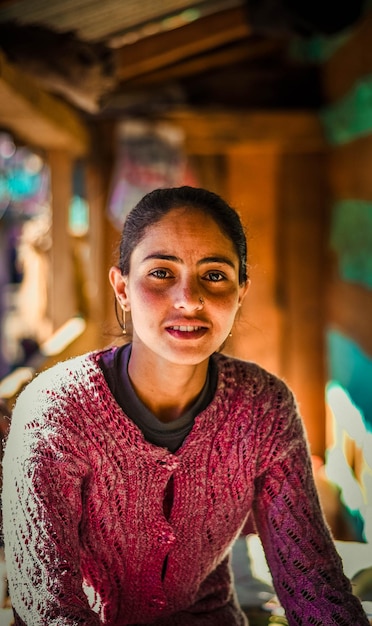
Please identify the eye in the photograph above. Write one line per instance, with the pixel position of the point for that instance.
(215, 277)
(160, 273)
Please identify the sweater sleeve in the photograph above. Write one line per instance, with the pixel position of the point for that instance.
(44, 474)
(306, 569)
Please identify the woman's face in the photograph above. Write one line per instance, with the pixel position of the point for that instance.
(183, 287)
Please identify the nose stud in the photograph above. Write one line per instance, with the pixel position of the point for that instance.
(201, 300)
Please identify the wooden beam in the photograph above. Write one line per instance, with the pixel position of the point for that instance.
(350, 169)
(246, 50)
(215, 132)
(36, 117)
(350, 62)
(160, 50)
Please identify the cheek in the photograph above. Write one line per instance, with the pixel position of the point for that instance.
(226, 303)
(145, 301)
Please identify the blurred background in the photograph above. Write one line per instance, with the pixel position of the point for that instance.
(268, 103)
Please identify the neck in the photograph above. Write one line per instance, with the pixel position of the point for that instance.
(167, 389)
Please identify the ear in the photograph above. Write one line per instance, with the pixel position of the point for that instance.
(243, 290)
(119, 283)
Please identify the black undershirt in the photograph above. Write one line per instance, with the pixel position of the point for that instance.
(170, 435)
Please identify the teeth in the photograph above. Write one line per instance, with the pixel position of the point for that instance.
(186, 329)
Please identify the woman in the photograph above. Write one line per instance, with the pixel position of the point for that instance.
(129, 472)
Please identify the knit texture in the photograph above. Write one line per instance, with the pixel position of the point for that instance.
(89, 541)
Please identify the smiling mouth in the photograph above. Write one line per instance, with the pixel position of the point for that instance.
(187, 329)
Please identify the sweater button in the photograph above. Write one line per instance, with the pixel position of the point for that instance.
(166, 537)
(169, 464)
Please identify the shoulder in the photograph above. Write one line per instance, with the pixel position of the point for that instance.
(269, 406)
(250, 377)
(260, 395)
(64, 373)
(65, 401)
(65, 383)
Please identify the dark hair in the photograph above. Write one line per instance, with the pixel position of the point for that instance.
(154, 205)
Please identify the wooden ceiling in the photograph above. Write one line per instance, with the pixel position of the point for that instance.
(112, 21)
(114, 59)
(153, 55)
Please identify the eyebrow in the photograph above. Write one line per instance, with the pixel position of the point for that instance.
(175, 259)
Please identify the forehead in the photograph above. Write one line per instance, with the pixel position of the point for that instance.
(185, 223)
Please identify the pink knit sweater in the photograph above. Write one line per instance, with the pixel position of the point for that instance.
(88, 541)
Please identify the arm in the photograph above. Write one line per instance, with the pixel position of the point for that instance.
(42, 507)
(306, 569)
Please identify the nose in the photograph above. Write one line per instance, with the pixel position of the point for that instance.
(188, 296)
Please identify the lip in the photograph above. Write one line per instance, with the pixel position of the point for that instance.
(186, 321)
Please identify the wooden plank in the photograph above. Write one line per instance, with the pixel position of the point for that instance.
(349, 310)
(214, 132)
(104, 237)
(252, 189)
(160, 50)
(246, 50)
(350, 117)
(274, 86)
(62, 287)
(96, 199)
(351, 239)
(98, 180)
(36, 117)
(349, 62)
(210, 172)
(281, 197)
(301, 258)
(350, 169)
(194, 65)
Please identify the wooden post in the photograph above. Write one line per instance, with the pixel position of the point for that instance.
(61, 289)
(280, 196)
(103, 236)
(302, 236)
(252, 172)
(96, 201)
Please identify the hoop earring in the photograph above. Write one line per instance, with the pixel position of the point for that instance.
(124, 325)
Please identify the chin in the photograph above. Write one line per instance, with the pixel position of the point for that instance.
(182, 352)
(189, 356)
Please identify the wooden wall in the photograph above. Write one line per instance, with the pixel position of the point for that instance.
(347, 120)
(281, 196)
(346, 68)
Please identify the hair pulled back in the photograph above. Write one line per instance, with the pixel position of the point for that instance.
(156, 204)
